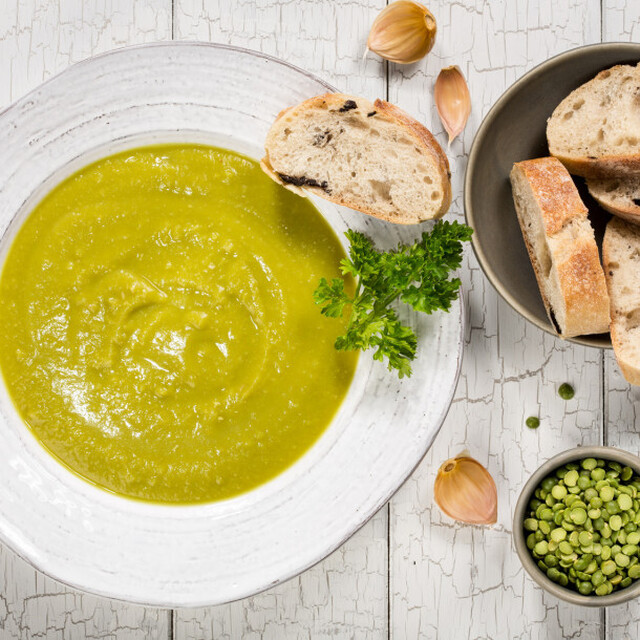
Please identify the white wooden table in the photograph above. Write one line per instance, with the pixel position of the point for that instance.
(410, 572)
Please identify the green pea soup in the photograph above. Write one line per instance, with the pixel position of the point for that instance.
(159, 335)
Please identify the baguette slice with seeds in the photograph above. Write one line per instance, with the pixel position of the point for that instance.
(371, 157)
(562, 247)
(620, 196)
(621, 255)
(595, 130)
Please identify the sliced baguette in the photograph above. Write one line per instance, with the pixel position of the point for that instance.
(621, 256)
(620, 196)
(370, 157)
(562, 247)
(595, 130)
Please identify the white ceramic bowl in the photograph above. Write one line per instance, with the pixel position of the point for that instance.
(218, 552)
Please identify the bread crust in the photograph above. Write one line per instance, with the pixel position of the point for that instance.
(555, 191)
(630, 213)
(630, 372)
(425, 137)
(577, 263)
(584, 290)
(603, 167)
(412, 127)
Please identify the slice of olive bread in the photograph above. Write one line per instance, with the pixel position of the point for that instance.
(621, 256)
(620, 196)
(371, 157)
(595, 130)
(561, 246)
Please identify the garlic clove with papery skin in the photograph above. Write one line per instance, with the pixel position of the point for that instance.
(403, 32)
(451, 95)
(465, 491)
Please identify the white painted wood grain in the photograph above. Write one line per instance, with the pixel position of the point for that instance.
(621, 22)
(450, 581)
(342, 597)
(346, 595)
(447, 581)
(38, 38)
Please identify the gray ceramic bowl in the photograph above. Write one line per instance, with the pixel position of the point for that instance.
(519, 537)
(514, 130)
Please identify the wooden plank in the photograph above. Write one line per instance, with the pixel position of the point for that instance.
(38, 38)
(621, 23)
(344, 596)
(447, 580)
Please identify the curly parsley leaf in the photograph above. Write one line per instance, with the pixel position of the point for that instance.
(416, 274)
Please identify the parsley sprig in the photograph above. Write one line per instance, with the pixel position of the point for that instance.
(417, 274)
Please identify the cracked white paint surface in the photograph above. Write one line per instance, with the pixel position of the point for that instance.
(410, 572)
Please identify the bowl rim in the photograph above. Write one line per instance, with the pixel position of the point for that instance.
(479, 137)
(165, 44)
(383, 499)
(529, 564)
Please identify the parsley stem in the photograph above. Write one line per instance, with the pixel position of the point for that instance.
(390, 299)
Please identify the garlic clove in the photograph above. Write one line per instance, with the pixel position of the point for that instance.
(453, 101)
(465, 491)
(403, 32)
